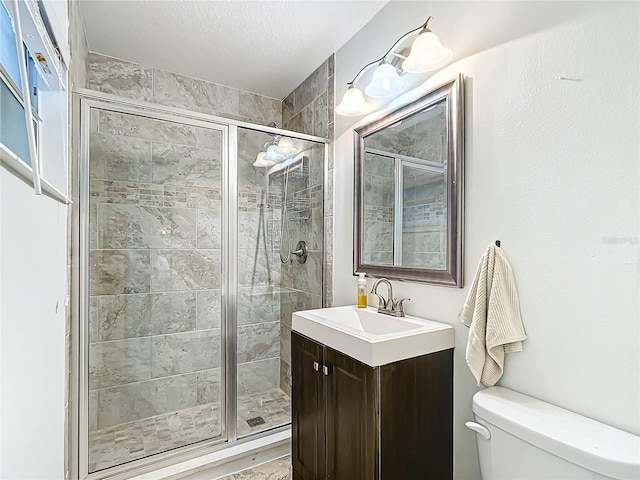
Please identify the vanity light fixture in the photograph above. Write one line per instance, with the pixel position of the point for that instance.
(275, 151)
(353, 103)
(286, 147)
(261, 162)
(272, 154)
(427, 54)
(386, 82)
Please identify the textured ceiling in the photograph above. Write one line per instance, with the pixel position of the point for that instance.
(266, 47)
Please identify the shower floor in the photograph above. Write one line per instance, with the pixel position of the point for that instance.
(130, 441)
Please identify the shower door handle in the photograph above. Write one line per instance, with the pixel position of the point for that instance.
(316, 366)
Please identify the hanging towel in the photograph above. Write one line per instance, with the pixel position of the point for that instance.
(492, 313)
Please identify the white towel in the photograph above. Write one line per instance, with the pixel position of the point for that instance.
(492, 313)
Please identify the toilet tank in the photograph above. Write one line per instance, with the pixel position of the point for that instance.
(532, 439)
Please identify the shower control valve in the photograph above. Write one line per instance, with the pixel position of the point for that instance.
(301, 251)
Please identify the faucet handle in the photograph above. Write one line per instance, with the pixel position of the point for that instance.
(398, 304)
(382, 303)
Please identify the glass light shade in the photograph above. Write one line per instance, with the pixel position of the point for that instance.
(427, 53)
(261, 162)
(385, 82)
(286, 147)
(273, 156)
(353, 103)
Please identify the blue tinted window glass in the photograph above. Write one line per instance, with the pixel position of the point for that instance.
(8, 54)
(13, 130)
(33, 76)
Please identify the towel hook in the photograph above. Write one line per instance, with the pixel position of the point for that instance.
(497, 243)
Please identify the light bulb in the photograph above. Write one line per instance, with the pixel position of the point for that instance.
(385, 82)
(286, 147)
(261, 162)
(353, 103)
(427, 53)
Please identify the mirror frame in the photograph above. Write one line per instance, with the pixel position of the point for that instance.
(453, 92)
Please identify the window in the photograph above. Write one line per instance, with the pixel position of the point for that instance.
(13, 134)
(8, 56)
(46, 93)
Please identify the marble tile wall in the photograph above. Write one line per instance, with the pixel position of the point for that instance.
(259, 272)
(378, 197)
(424, 194)
(302, 283)
(309, 109)
(423, 215)
(155, 333)
(155, 272)
(140, 82)
(156, 231)
(155, 235)
(424, 222)
(409, 140)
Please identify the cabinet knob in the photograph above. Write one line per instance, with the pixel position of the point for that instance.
(316, 366)
(325, 370)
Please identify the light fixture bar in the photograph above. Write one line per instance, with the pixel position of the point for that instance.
(426, 54)
(396, 43)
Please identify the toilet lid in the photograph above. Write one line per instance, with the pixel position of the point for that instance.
(580, 440)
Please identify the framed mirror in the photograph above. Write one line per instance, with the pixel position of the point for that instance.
(409, 168)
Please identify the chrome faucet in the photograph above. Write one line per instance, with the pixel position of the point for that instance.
(390, 306)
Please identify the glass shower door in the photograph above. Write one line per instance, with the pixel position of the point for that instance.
(155, 360)
(279, 205)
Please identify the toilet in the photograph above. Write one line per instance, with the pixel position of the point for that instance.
(520, 437)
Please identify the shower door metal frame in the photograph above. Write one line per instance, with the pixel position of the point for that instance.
(82, 204)
(78, 420)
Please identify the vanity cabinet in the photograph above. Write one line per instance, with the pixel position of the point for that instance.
(352, 421)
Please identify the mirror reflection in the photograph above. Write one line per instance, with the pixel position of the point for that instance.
(405, 192)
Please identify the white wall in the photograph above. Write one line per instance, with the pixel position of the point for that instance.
(552, 170)
(33, 283)
(33, 244)
(58, 13)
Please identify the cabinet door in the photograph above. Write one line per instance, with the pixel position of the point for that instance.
(416, 418)
(307, 404)
(352, 399)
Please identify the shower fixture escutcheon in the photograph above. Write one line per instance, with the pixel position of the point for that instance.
(301, 251)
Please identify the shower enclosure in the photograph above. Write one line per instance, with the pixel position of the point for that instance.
(191, 259)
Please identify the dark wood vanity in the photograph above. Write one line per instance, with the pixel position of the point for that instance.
(352, 421)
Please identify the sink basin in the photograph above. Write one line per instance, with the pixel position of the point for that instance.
(366, 321)
(371, 337)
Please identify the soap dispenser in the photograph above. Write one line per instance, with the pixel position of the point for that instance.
(362, 290)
